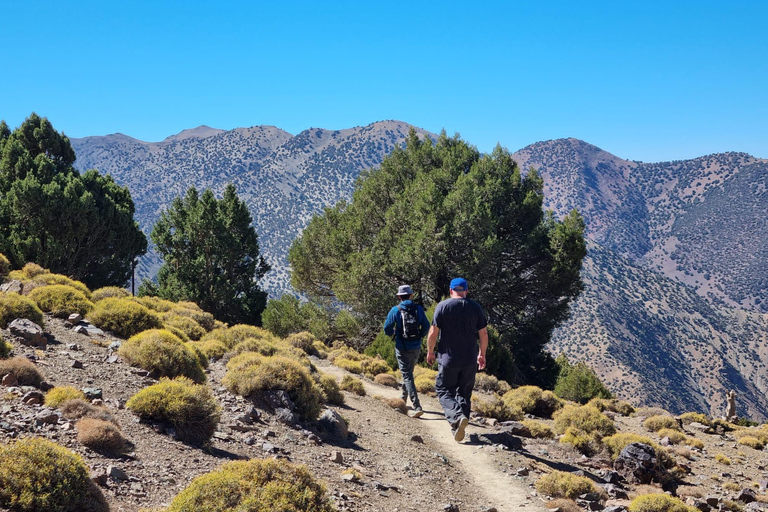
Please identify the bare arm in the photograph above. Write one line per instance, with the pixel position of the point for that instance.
(432, 343)
(483, 334)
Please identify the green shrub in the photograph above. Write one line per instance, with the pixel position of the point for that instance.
(353, 385)
(560, 484)
(383, 346)
(250, 374)
(373, 366)
(5, 348)
(185, 324)
(49, 279)
(236, 334)
(586, 443)
(61, 300)
(495, 407)
(331, 389)
(199, 354)
(255, 485)
(191, 408)
(659, 503)
(539, 429)
(349, 365)
(165, 355)
(613, 405)
(156, 303)
(303, 341)
(532, 400)
(60, 394)
(345, 353)
(656, 423)
(24, 370)
(109, 292)
(690, 417)
(5, 266)
(176, 332)
(13, 306)
(425, 383)
(489, 383)
(675, 436)
(124, 317)
(585, 418)
(261, 345)
(39, 475)
(28, 271)
(99, 435)
(213, 349)
(193, 311)
(722, 459)
(578, 382)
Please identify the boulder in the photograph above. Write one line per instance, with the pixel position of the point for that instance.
(13, 286)
(746, 496)
(332, 423)
(638, 464)
(29, 332)
(75, 318)
(515, 428)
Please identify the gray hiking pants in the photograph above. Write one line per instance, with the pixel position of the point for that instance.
(406, 360)
(454, 390)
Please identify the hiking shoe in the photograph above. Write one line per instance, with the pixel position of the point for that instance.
(416, 413)
(458, 434)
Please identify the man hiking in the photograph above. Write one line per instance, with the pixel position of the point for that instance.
(458, 322)
(408, 323)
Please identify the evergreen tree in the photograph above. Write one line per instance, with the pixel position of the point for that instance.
(434, 211)
(211, 256)
(73, 224)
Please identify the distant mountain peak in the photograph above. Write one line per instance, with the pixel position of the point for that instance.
(201, 132)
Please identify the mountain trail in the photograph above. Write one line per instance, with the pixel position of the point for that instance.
(499, 489)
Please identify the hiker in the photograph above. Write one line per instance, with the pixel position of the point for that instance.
(408, 323)
(458, 322)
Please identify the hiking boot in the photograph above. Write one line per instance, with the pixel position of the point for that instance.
(458, 434)
(416, 413)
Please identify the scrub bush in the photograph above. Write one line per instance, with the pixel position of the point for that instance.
(5, 266)
(5, 348)
(75, 409)
(585, 418)
(656, 423)
(538, 429)
(123, 317)
(190, 408)
(533, 400)
(60, 300)
(59, 394)
(236, 334)
(28, 271)
(396, 403)
(185, 324)
(494, 407)
(213, 349)
(383, 346)
(560, 484)
(39, 475)
(254, 486)
(260, 345)
(199, 354)
(156, 303)
(99, 435)
(690, 417)
(109, 292)
(722, 459)
(193, 312)
(675, 436)
(302, 340)
(613, 405)
(165, 355)
(353, 385)
(24, 370)
(617, 442)
(374, 366)
(49, 279)
(386, 379)
(349, 365)
(250, 374)
(487, 382)
(331, 389)
(659, 503)
(13, 306)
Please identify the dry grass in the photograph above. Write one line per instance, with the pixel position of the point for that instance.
(77, 408)
(100, 435)
(723, 459)
(386, 379)
(24, 370)
(396, 403)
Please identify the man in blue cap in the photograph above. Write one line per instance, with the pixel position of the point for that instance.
(408, 323)
(458, 322)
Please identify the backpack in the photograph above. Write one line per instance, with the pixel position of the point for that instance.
(409, 315)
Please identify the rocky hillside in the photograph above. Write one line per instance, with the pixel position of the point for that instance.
(283, 178)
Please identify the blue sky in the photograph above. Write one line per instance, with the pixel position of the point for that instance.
(645, 80)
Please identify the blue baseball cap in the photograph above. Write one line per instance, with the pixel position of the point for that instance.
(459, 284)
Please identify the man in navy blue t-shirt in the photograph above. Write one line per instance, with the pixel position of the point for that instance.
(458, 322)
(407, 348)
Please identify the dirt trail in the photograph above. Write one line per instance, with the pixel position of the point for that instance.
(498, 488)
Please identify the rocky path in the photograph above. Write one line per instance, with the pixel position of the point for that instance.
(497, 488)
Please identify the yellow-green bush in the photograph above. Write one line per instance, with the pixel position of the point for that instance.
(100, 435)
(560, 484)
(191, 408)
(613, 405)
(13, 306)
(162, 353)
(27, 272)
(373, 366)
(691, 417)
(346, 353)
(176, 332)
(320, 349)
(659, 503)
(60, 394)
(586, 443)
(39, 475)
(250, 373)
(331, 389)
(124, 317)
(109, 292)
(49, 279)
(656, 423)
(156, 303)
(263, 346)
(353, 385)
(695, 443)
(487, 382)
(5, 266)
(24, 370)
(425, 383)
(619, 441)
(539, 429)
(199, 354)
(255, 485)
(61, 300)
(494, 407)
(533, 400)
(185, 324)
(302, 340)
(675, 436)
(5, 348)
(213, 349)
(231, 336)
(200, 317)
(349, 365)
(386, 379)
(723, 459)
(585, 418)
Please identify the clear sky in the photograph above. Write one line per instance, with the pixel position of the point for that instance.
(645, 80)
